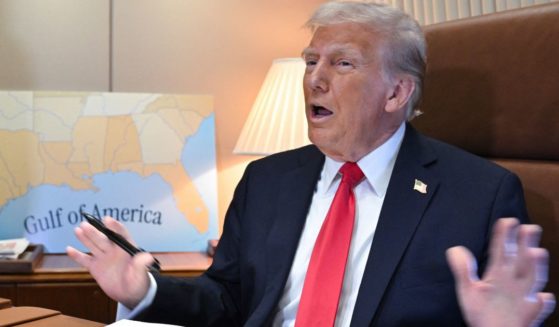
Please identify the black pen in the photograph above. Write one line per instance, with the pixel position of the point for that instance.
(118, 239)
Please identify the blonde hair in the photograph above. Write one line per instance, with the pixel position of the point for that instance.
(405, 43)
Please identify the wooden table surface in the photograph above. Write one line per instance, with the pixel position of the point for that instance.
(57, 266)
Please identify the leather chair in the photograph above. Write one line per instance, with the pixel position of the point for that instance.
(492, 88)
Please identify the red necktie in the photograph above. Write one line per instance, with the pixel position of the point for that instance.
(325, 275)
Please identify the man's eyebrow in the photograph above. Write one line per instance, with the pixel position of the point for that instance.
(334, 50)
(345, 50)
(307, 51)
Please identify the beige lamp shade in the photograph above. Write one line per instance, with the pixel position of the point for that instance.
(277, 120)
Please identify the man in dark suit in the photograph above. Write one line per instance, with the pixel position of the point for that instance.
(415, 198)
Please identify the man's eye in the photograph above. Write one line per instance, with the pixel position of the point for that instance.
(345, 63)
(310, 62)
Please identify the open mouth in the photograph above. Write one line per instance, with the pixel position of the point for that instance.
(319, 111)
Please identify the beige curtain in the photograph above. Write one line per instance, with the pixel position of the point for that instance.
(436, 11)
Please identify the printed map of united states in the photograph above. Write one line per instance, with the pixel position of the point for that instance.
(64, 139)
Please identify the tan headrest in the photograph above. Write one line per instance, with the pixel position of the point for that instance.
(492, 84)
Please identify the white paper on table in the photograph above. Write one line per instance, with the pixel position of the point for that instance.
(132, 323)
(12, 248)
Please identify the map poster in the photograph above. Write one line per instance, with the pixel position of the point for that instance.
(148, 160)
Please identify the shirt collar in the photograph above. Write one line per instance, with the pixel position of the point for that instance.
(377, 165)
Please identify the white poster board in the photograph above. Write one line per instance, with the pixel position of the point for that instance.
(148, 160)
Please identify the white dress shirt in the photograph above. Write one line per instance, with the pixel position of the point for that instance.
(369, 195)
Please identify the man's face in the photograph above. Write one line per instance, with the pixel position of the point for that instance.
(346, 91)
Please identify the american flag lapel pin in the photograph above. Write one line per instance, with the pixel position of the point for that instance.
(420, 187)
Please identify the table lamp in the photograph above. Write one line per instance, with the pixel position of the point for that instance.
(277, 119)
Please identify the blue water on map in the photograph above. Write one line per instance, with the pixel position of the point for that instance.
(54, 208)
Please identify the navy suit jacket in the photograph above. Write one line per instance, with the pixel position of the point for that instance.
(406, 282)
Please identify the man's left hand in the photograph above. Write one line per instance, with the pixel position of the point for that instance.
(509, 293)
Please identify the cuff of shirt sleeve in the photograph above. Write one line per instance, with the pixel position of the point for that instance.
(122, 312)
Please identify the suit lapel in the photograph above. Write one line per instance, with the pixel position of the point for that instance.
(293, 201)
(401, 212)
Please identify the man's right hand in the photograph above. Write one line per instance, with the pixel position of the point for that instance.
(122, 277)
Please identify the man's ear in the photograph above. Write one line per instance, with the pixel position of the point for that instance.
(401, 94)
